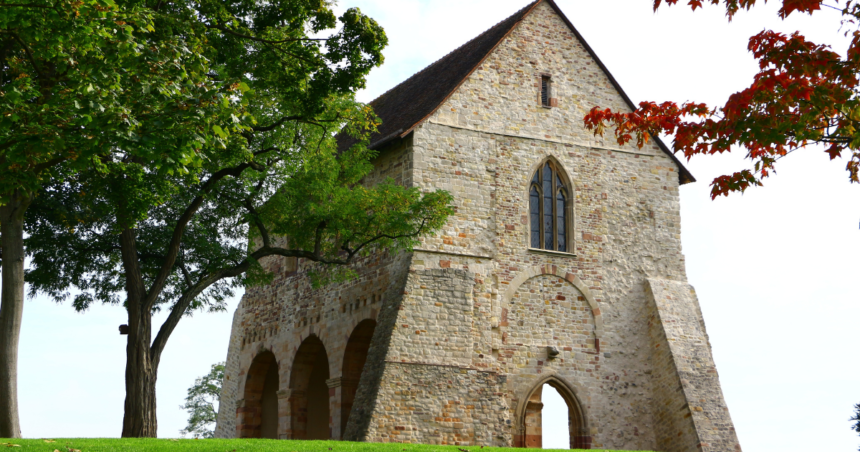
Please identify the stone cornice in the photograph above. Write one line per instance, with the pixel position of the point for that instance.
(547, 140)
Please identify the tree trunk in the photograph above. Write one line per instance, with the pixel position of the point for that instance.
(139, 419)
(11, 309)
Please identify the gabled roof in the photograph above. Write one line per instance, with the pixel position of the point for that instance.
(408, 104)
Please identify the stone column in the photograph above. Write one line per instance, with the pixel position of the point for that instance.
(240, 418)
(349, 387)
(335, 391)
(284, 412)
(298, 419)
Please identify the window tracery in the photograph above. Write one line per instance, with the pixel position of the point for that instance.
(548, 209)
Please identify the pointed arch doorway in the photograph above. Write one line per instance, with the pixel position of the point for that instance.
(530, 414)
(310, 404)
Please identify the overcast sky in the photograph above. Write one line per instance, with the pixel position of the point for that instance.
(775, 269)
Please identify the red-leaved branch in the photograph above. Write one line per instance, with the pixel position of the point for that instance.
(803, 94)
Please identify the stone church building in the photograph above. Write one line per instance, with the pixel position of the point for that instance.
(562, 266)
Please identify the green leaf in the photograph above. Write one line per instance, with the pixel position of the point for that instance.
(219, 131)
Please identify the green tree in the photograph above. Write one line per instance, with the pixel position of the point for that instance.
(80, 79)
(201, 403)
(856, 419)
(149, 238)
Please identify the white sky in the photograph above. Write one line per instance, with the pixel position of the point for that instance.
(773, 267)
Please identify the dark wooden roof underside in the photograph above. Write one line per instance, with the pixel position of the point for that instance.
(408, 104)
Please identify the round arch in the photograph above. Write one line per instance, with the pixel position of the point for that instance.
(354, 358)
(258, 418)
(580, 436)
(553, 270)
(309, 394)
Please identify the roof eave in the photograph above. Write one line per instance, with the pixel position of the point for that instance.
(684, 175)
(472, 71)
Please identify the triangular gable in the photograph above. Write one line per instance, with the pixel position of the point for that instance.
(407, 105)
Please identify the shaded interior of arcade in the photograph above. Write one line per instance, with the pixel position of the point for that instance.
(313, 404)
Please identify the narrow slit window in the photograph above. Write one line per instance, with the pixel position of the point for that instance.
(544, 91)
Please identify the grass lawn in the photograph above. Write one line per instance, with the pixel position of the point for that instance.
(220, 445)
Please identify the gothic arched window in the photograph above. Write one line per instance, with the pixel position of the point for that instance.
(548, 201)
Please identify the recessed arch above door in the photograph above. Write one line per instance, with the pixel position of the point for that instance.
(572, 279)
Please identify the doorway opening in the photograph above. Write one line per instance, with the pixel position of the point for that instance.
(353, 364)
(310, 393)
(555, 421)
(551, 417)
(259, 417)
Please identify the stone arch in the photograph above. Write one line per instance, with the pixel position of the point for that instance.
(529, 408)
(309, 399)
(258, 418)
(574, 280)
(569, 205)
(354, 359)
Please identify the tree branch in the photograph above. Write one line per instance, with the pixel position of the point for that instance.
(50, 163)
(101, 250)
(298, 57)
(277, 124)
(178, 311)
(8, 144)
(280, 122)
(29, 54)
(185, 274)
(182, 223)
(318, 239)
(188, 296)
(266, 151)
(264, 233)
(418, 232)
(133, 278)
(267, 41)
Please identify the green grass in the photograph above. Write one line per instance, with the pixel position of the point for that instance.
(221, 445)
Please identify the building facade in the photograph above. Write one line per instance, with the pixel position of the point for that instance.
(562, 266)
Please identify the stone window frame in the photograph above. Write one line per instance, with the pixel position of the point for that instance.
(551, 101)
(560, 173)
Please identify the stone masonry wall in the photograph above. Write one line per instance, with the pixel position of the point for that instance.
(690, 410)
(225, 427)
(428, 393)
(279, 316)
(446, 405)
(435, 321)
(483, 145)
(464, 322)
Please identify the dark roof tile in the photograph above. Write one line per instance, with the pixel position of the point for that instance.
(406, 105)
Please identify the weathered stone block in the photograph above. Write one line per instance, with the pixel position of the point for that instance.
(454, 342)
